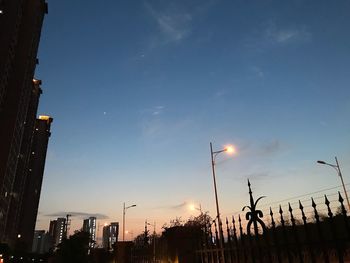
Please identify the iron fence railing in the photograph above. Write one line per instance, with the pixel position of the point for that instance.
(286, 239)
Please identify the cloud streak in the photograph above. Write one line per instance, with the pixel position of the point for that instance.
(285, 35)
(270, 147)
(173, 24)
(81, 215)
(174, 207)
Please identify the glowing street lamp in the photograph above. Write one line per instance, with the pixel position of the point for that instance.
(337, 168)
(193, 207)
(229, 149)
(124, 210)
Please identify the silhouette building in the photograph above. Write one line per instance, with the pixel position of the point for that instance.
(20, 29)
(110, 235)
(41, 242)
(57, 230)
(89, 226)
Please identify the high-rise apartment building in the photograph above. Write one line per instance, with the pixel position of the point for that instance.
(89, 226)
(57, 230)
(20, 29)
(110, 235)
(41, 242)
(35, 172)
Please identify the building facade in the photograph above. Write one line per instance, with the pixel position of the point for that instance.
(35, 172)
(20, 30)
(89, 226)
(57, 231)
(41, 242)
(110, 235)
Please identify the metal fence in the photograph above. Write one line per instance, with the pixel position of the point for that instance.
(292, 235)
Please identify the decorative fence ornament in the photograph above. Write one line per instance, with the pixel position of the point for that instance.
(254, 215)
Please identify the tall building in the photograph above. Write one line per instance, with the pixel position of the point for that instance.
(89, 226)
(110, 235)
(20, 30)
(35, 172)
(41, 242)
(57, 230)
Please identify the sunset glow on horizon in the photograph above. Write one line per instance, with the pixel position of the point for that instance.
(139, 89)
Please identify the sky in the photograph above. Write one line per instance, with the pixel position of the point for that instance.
(138, 90)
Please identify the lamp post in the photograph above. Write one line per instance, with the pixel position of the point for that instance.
(154, 240)
(213, 154)
(337, 168)
(124, 210)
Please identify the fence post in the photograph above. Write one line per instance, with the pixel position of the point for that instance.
(229, 242)
(242, 239)
(236, 240)
(297, 243)
(275, 237)
(334, 231)
(317, 218)
(307, 234)
(343, 210)
(290, 260)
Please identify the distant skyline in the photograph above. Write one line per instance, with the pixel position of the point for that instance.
(138, 89)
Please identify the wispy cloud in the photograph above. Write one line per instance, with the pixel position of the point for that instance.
(174, 207)
(258, 72)
(270, 147)
(78, 214)
(263, 149)
(157, 110)
(256, 176)
(284, 35)
(174, 25)
(272, 34)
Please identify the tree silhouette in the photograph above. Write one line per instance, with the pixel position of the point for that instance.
(75, 249)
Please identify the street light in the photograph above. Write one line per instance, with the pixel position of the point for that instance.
(124, 210)
(228, 149)
(337, 168)
(193, 207)
(154, 239)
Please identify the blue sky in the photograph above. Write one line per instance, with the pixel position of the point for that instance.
(138, 89)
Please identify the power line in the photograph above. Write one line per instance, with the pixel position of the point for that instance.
(268, 205)
(308, 194)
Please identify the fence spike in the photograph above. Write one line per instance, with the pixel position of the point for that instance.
(280, 211)
(313, 203)
(326, 200)
(330, 214)
(341, 201)
(302, 212)
(291, 214)
(340, 198)
(300, 206)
